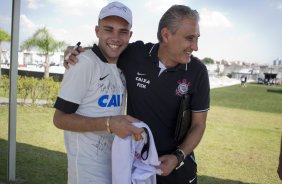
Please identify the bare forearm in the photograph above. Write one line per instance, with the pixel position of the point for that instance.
(119, 125)
(195, 133)
(78, 123)
(280, 155)
(281, 149)
(279, 169)
(192, 139)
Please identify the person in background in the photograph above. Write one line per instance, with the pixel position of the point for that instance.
(157, 77)
(279, 169)
(91, 102)
(244, 81)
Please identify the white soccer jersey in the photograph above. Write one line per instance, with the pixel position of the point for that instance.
(100, 91)
(96, 86)
(129, 164)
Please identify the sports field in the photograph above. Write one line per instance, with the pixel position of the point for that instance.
(242, 139)
(240, 146)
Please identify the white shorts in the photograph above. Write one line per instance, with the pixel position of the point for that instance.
(89, 157)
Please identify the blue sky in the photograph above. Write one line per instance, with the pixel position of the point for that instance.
(241, 30)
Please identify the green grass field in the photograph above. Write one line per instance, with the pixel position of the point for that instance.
(41, 155)
(242, 139)
(240, 146)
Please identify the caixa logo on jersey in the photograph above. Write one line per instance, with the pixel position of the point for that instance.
(110, 100)
(141, 80)
(183, 87)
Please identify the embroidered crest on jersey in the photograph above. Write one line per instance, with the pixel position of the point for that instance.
(183, 87)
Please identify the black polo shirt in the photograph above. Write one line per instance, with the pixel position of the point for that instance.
(155, 98)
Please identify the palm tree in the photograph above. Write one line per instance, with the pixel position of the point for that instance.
(45, 43)
(4, 37)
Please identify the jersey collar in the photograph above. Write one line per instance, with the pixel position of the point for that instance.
(98, 52)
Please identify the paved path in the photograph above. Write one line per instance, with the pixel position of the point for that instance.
(217, 82)
(19, 101)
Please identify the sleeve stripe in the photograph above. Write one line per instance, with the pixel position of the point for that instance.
(65, 106)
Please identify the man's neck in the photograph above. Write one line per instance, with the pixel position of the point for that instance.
(110, 60)
(164, 57)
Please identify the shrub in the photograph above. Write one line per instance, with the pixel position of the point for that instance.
(4, 85)
(32, 88)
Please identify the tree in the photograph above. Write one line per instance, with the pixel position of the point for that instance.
(4, 37)
(208, 61)
(45, 43)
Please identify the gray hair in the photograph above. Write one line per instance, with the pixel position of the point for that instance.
(173, 17)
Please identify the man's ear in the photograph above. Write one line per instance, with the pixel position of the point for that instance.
(131, 32)
(97, 30)
(165, 33)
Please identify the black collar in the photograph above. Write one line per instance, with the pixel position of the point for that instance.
(98, 52)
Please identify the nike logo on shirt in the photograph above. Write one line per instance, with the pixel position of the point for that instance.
(102, 78)
(190, 181)
(140, 73)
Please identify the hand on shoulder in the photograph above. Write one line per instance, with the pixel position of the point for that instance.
(72, 59)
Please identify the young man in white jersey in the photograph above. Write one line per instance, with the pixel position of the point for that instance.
(91, 100)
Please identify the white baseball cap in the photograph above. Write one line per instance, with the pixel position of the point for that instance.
(116, 9)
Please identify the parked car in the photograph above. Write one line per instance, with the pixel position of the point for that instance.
(260, 81)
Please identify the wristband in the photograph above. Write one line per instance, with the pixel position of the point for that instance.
(180, 155)
(108, 124)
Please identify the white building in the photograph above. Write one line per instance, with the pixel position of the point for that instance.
(32, 58)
